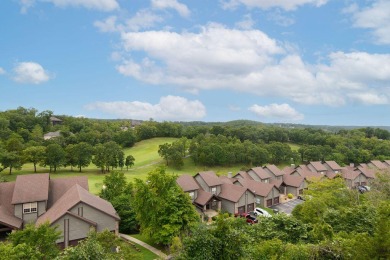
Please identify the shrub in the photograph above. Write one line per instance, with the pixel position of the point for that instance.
(290, 196)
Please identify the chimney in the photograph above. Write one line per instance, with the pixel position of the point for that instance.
(352, 165)
(230, 174)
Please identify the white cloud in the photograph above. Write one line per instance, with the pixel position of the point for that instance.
(246, 23)
(288, 5)
(280, 19)
(30, 73)
(182, 9)
(143, 19)
(101, 5)
(2, 71)
(249, 61)
(172, 108)
(276, 111)
(370, 98)
(376, 18)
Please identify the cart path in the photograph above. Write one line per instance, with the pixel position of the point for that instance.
(141, 243)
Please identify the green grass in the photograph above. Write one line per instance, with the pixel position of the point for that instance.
(144, 253)
(148, 241)
(294, 147)
(146, 159)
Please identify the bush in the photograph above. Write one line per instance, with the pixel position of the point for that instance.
(290, 196)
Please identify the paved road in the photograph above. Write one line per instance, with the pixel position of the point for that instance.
(141, 243)
(288, 206)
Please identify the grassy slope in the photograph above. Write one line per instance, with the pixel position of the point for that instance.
(146, 159)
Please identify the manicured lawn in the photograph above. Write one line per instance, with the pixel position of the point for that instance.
(146, 159)
(294, 147)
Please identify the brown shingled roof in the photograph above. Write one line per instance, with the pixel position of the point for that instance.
(244, 175)
(275, 170)
(288, 170)
(226, 179)
(307, 174)
(333, 165)
(203, 197)
(210, 178)
(31, 188)
(187, 182)
(231, 192)
(59, 186)
(6, 208)
(261, 173)
(378, 164)
(369, 173)
(258, 188)
(293, 181)
(71, 198)
(350, 175)
(318, 166)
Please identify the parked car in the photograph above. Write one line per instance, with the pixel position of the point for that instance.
(367, 188)
(250, 219)
(301, 197)
(361, 189)
(261, 212)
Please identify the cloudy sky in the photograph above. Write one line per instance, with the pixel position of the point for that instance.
(294, 61)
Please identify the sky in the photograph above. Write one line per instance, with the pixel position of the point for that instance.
(319, 62)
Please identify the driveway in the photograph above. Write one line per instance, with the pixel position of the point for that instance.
(288, 206)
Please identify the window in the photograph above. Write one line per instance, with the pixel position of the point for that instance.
(30, 207)
(192, 195)
(258, 200)
(214, 190)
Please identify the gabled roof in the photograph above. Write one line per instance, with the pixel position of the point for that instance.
(231, 192)
(387, 162)
(187, 182)
(369, 173)
(258, 188)
(210, 178)
(331, 175)
(288, 170)
(55, 119)
(226, 179)
(204, 197)
(58, 187)
(275, 170)
(293, 181)
(52, 134)
(9, 220)
(277, 183)
(260, 172)
(72, 197)
(243, 175)
(6, 208)
(31, 188)
(318, 166)
(333, 165)
(307, 174)
(378, 164)
(350, 175)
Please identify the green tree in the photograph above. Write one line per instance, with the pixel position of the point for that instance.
(55, 156)
(35, 155)
(129, 162)
(41, 239)
(120, 194)
(168, 209)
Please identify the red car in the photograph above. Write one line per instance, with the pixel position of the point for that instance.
(250, 219)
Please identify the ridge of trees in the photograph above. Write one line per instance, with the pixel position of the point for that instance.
(241, 141)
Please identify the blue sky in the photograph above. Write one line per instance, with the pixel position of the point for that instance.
(293, 61)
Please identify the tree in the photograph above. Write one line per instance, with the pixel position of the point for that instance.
(55, 156)
(108, 155)
(162, 209)
(120, 194)
(129, 161)
(41, 239)
(83, 154)
(11, 160)
(35, 154)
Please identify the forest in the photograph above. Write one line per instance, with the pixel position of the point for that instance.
(83, 141)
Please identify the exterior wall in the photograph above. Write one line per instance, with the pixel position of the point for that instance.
(254, 175)
(292, 190)
(228, 206)
(103, 220)
(195, 194)
(273, 176)
(41, 207)
(311, 168)
(18, 211)
(78, 229)
(246, 199)
(202, 183)
(260, 201)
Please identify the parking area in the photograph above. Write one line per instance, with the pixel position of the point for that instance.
(288, 206)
